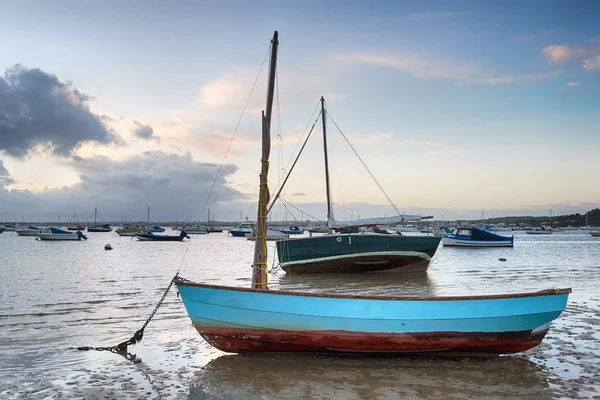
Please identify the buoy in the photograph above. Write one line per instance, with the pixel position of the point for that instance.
(107, 247)
(502, 259)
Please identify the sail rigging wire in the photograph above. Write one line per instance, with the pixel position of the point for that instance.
(298, 144)
(293, 165)
(364, 165)
(234, 133)
(297, 209)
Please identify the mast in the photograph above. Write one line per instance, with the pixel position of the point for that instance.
(327, 188)
(259, 267)
(148, 216)
(95, 215)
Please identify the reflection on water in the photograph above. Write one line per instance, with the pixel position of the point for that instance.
(57, 295)
(412, 284)
(351, 377)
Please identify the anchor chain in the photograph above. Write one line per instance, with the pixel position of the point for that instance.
(137, 337)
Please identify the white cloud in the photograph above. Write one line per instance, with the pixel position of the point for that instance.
(430, 68)
(592, 63)
(573, 84)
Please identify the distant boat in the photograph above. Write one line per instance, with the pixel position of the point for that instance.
(242, 229)
(76, 228)
(9, 228)
(29, 231)
(292, 230)
(196, 230)
(60, 234)
(257, 319)
(407, 228)
(156, 229)
(1, 229)
(98, 228)
(131, 230)
(595, 233)
(475, 237)
(539, 231)
(270, 235)
(149, 236)
(214, 229)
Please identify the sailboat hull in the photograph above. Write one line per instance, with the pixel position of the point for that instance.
(354, 253)
(243, 320)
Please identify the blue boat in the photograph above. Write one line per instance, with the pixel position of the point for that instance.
(256, 319)
(475, 237)
(1, 229)
(242, 320)
(156, 229)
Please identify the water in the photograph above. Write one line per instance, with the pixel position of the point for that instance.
(57, 295)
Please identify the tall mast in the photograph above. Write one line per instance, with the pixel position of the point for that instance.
(328, 190)
(259, 267)
(148, 215)
(95, 215)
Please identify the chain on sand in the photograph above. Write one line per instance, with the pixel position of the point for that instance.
(121, 348)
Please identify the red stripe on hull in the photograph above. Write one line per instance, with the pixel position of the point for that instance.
(233, 340)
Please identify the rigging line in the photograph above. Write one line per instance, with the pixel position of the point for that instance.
(300, 140)
(365, 165)
(293, 165)
(287, 210)
(296, 208)
(234, 132)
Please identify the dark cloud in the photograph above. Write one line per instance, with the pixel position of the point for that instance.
(37, 109)
(5, 178)
(144, 132)
(171, 184)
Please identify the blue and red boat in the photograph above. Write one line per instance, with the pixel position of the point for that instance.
(256, 319)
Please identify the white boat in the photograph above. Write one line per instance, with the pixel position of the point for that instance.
(407, 228)
(539, 231)
(475, 237)
(595, 233)
(242, 229)
(270, 235)
(195, 230)
(9, 228)
(60, 234)
(29, 231)
(131, 230)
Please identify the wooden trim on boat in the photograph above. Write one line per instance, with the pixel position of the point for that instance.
(546, 292)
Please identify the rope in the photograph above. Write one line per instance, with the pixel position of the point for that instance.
(234, 133)
(365, 165)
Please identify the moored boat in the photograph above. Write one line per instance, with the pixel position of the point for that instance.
(152, 237)
(60, 234)
(100, 228)
(292, 230)
(131, 230)
(29, 231)
(475, 237)
(595, 233)
(242, 229)
(156, 229)
(256, 319)
(539, 231)
(76, 228)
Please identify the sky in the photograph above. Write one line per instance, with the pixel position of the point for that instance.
(458, 109)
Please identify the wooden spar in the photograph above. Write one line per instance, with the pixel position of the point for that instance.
(260, 269)
(323, 117)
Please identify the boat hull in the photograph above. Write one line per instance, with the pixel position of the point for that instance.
(250, 320)
(27, 232)
(357, 253)
(158, 238)
(55, 236)
(455, 242)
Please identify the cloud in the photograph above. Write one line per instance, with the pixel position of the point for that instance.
(172, 184)
(5, 178)
(561, 53)
(144, 132)
(430, 68)
(419, 16)
(37, 110)
(573, 84)
(592, 64)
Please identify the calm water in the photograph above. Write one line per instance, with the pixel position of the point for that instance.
(61, 294)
